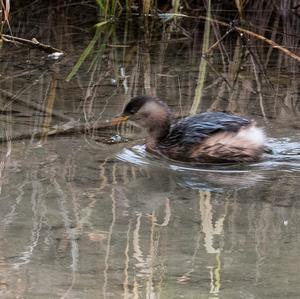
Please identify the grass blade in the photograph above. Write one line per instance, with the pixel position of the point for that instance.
(203, 63)
(86, 51)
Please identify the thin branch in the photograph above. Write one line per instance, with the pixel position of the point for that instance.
(218, 41)
(250, 33)
(260, 37)
(217, 72)
(34, 43)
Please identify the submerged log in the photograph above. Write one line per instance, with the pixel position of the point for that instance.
(69, 128)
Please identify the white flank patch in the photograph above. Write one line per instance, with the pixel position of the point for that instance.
(253, 134)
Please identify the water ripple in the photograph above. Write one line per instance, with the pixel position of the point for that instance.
(285, 158)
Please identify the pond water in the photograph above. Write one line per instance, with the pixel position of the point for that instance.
(84, 216)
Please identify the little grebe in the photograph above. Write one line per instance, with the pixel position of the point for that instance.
(204, 137)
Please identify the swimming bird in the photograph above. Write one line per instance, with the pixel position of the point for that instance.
(204, 137)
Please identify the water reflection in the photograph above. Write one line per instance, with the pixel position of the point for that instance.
(138, 231)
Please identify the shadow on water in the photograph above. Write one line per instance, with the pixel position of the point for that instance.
(82, 216)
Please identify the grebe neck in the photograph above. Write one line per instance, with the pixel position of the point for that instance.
(158, 132)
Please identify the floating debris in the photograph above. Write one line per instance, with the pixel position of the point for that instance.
(55, 56)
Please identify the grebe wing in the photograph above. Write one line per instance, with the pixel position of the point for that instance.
(194, 129)
(227, 122)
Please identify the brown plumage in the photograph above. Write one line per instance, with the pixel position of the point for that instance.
(204, 137)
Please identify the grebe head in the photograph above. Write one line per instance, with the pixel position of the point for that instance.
(148, 112)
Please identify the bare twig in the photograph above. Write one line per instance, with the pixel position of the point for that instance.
(34, 43)
(258, 36)
(218, 41)
(217, 72)
(250, 33)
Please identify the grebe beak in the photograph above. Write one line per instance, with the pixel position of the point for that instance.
(119, 119)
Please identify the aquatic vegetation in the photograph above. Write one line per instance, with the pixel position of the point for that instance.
(109, 8)
(203, 62)
(88, 50)
(229, 44)
(115, 8)
(4, 14)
